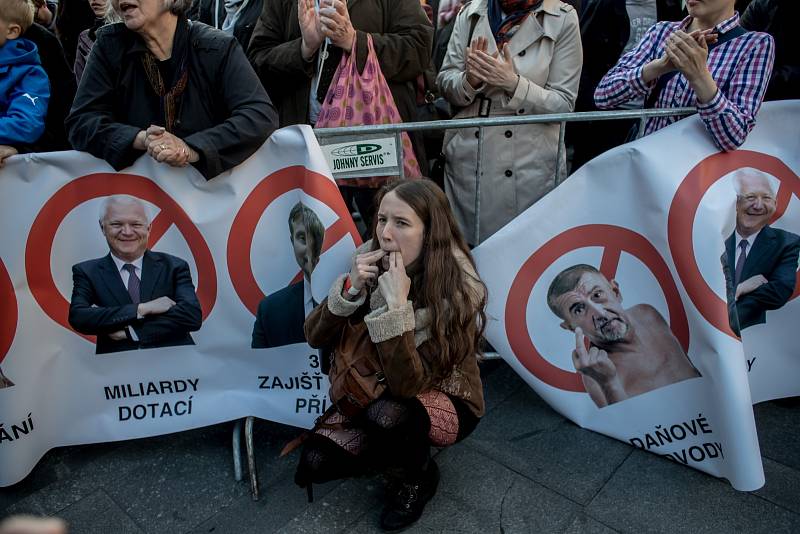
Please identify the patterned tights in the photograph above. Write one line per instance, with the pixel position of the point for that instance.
(391, 434)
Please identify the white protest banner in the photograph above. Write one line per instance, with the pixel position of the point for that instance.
(248, 236)
(618, 273)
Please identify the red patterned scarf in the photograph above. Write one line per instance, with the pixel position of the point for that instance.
(516, 11)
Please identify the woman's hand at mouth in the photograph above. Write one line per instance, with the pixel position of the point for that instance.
(395, 283)
(364, 270)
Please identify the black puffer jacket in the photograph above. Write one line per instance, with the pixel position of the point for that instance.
(212, 12)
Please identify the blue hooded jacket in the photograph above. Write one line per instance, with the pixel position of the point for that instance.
(24, 93)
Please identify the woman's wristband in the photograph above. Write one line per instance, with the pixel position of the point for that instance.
(350, 292)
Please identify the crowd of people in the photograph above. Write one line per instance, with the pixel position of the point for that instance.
(165, 83)
(204, 83)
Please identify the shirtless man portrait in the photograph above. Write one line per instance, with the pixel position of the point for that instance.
(630, 351)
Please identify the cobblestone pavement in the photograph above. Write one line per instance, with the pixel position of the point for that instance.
(524, 469)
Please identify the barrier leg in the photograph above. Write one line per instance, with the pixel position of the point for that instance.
(640, 132)
(560, 153)
(478, 171)
(398, 140)
(237, 450)
(251, 456)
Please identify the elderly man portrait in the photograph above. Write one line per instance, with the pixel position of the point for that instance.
(631, 351)
(761, 261)
(280, 316)
(133, 298)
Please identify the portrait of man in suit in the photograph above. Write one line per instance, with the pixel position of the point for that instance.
(5, 382)
(280, 316)
(630, 351)
(760, 262)
(133, 298)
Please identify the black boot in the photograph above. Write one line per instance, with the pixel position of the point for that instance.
(408, 498)
(322, 460)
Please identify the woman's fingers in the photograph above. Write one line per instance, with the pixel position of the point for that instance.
(683, 42)
(479, 63)
(396, 262)
(164, 155)
(674, 59)
(681, 56)
(371, 257)
(340, 7)
(367, 276)
(331, 15)
(154, 130)
(485, 57)
(480, 71)
(507, 54)
(368, 269)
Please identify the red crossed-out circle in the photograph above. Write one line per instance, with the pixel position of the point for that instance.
(8, 312)
(39, 248)
(240, 240)
(683, 211)
(615, 240)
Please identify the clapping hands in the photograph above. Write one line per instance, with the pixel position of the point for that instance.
(332, 21)
(493, 69)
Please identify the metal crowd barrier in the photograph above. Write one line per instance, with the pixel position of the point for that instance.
(326, 135)
(331, 135)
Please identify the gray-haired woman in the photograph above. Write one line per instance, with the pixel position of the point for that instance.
(179, 90)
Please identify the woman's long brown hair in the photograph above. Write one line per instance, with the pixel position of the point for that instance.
(440, 281)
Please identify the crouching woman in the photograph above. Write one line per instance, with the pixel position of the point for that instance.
(403, 330)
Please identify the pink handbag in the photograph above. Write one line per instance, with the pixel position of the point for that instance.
(355, 99)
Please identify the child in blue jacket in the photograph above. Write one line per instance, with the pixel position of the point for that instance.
(24, 87)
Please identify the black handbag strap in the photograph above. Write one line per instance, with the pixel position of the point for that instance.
(731, 34)
(473, 21)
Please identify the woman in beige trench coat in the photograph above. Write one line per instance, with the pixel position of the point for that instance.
(518, 162)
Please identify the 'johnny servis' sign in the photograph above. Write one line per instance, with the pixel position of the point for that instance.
(377, 155)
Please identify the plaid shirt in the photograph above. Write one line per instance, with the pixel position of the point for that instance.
(741, 68)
